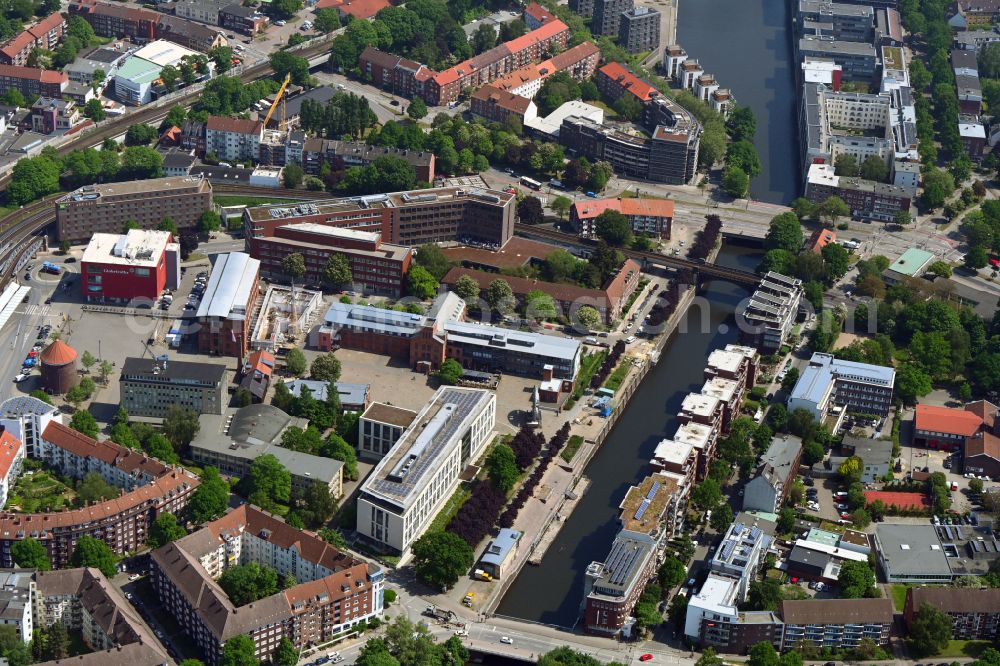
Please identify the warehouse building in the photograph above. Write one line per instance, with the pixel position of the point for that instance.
(224, 315)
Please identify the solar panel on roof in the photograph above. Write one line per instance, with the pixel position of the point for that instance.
(642, 509)
(754, 533)
(975, 545)
(652, 491)
(727, 550)
(958, 531)
(738, 528)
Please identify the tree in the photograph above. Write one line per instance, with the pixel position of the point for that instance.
(903, 218)
(84, 422)
(873, 168)
(614, 228)
(940, 269)
(294, 265)
(91, 552)
(735, 182)
(93, 488)
(209, 222)
(846, 165)
(743, 155)
(832, 209)
(210, 498)
(589, 317)
(501, 465)
(857, 580)
(317, 504)
(337, 271)
(292, 175)
(540, 306)
(764, 595)
(139, 134)
(57, 642)
(671, 573)
(286, 654)
(325, 368)
(240, 650)
(104, 369)
(786, 520)
(976, 486)
(283, 62)
(165, 530)
(439, 558)
(29, 553)
(929, 632)
(295, 362)
(327, 20)
(707, 495)
(246, 583)
(722, 517)
(430, 257)
(500, 296)
(468, 289)
(791, 378)
(938, 186)
(561, 205)
(912, 383)
(39, 394)
(335, 447)
(837, 260)
(88, 360)
(529, 210)
(180, 425)
(741, 124)
(420, 283)
(417, 108)
(268, 482)
(450, 372)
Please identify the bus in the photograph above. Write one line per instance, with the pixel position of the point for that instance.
(531, 182)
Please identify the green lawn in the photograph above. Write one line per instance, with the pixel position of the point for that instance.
(965, 648)
(223, 200)
(574, 444)
(618, 376)
(40, 491)
(899, 596)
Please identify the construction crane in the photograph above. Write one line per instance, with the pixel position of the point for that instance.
(280, 97)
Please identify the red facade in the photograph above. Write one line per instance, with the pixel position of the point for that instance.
(118, 282)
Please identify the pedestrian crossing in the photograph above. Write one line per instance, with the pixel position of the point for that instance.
(35, 309)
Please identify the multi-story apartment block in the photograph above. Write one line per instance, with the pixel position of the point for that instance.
(735, 362)
(54, 115)
(380, 427)
(827, 381)
(835, 123)
(974, 612)
(107, 207)
(650, 217)
(777, 468)
(846, 22)
(867, 199)
(684, 454)
(113, 20)
(11, 462)
(26, 418)
(33, 82)
(203, 11)
(607, 15)
(245, 20)
(75, 455)
(771, 311)
(226, 312)
(499, 106)
(409, 78)
(535, 16)
(403, 218)
(149, 387)
(859, 61)
(234, 139)
(740, 556)
(376, 267)
(84, 601)
(407, 487)
(43, 35)
(334, 591)
(317, 151)
(639, 29)
(836, 623)
(655, 507)
(613, 587)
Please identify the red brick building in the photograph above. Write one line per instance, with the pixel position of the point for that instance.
(608, 301)
(376, 267)
(652, 217)
(43, 35)
(535, 16)
(498, 105)
(615, 80)
(135, 265)
(32, 81)
(114, 20)
(225, 315)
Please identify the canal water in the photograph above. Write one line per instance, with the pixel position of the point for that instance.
(746, 45)
(551, 593)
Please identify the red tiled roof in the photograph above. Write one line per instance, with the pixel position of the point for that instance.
(9, 446)
(947, 420)
(41, 75)
(985, 410)
(821, 238)
(58, 353)
(107, 451)
(44, 26)
(17, 44)
(899, 500)
(539, 13)
(361, 9)
(574, 55)
(503, 99)
(540, 34)
(983, 444)
(626, 79)
(262, 362)
(588, 209)
(235, 125)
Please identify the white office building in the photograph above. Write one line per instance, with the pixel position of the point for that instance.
(408, 486)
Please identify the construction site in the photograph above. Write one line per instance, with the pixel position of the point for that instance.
(285, 317)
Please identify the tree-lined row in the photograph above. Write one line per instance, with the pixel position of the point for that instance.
(608, 366)
(530, 484)
(706, 238)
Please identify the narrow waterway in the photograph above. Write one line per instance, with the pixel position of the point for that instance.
(746, 44)
(552, 592)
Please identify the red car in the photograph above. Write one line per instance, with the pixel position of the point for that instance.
(646, 657)
(32, 354)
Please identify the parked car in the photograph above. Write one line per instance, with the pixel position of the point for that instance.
(506, 640)
(646, 657)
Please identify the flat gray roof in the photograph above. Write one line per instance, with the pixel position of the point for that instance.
(228, 293)
(911, 550)
(494, 337)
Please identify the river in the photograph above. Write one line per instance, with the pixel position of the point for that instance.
(746, 44)
(552, 592)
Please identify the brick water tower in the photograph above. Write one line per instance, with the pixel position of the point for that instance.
(58, 363)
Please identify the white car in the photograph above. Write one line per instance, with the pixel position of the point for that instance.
(630, 339)
(280, 22)
(461, 632)
(21, 377)
(506, 640)
(134, 577)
